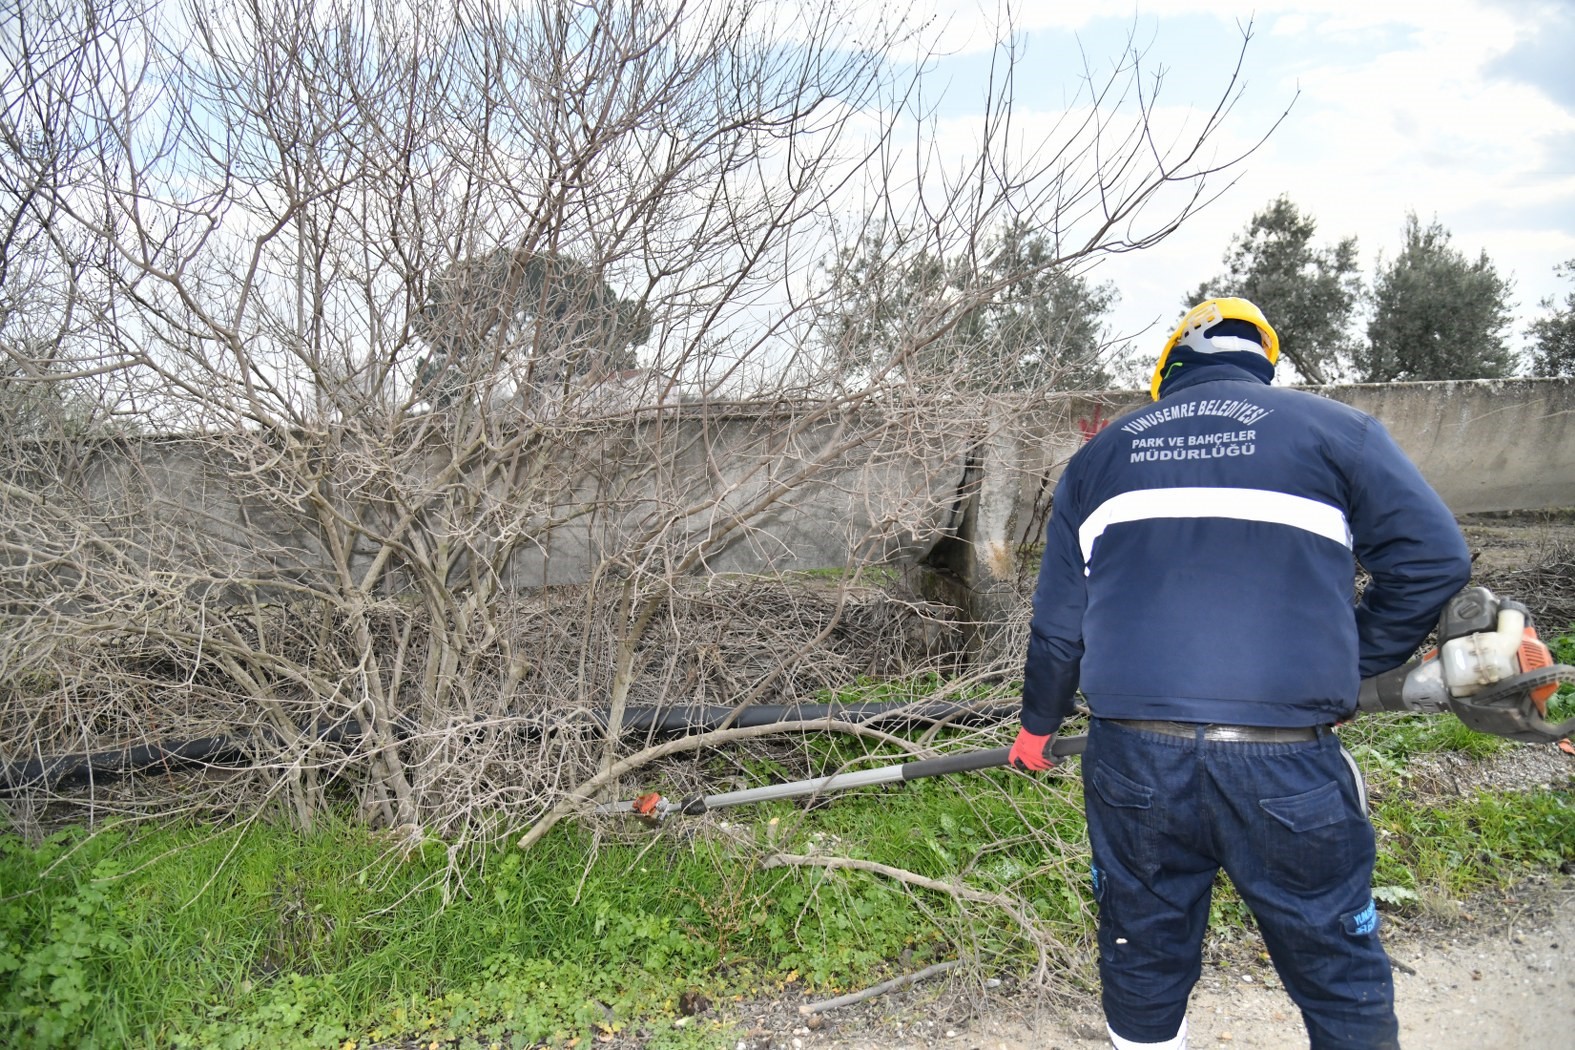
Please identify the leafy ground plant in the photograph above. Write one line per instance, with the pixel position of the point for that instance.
(268, 936)
(263, 935)
(1562, 705)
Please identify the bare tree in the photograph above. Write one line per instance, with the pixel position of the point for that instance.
(271, 225)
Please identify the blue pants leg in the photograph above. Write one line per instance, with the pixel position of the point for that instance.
(1285, 823)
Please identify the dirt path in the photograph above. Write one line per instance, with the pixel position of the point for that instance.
(1498, 974)
(1512, 988)
(1500, 983)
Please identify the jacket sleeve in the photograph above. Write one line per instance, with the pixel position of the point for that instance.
(1408, 541)
(1055, 640)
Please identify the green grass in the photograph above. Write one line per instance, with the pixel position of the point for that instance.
(183, 936)
(1386, 741)
(179, 935)
(1473, 844)
(1562, 706)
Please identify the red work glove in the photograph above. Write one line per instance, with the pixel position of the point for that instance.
(1031, 752)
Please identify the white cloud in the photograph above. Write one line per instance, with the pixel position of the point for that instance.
(1403, 106)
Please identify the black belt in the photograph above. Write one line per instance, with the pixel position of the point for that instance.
(1227, 734)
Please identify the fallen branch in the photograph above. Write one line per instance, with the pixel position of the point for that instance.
(999, 900)
(809, 1009)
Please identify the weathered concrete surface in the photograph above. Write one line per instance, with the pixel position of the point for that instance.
(698, 488)
(964, 490)
(1486, 445)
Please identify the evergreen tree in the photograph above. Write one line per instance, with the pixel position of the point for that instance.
(1006, 317)
(1307, 293)
(1436, 314)
(1553, 336)
(547, 315)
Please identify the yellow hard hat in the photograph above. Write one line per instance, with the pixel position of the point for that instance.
(1205, 316)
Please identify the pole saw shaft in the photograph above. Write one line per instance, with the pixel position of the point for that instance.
(656, 807)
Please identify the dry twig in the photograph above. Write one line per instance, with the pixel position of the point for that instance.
(810, 1009)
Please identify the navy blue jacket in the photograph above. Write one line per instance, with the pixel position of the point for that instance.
(1198, 563)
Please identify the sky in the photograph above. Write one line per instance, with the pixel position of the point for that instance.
(1462, 111)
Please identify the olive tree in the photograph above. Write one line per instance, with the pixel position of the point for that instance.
(1436, 313)
(1553, 334)
(1032, 324)
(1308, 293)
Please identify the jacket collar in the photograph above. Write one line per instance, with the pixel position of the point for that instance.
(1212, 371)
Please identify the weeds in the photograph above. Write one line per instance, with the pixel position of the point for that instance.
(263, 936)
(1474, 844)
(1562, 705)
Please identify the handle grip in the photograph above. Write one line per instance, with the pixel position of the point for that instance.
(967, 761)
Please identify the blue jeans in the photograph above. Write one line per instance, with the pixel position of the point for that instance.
(1285, 822)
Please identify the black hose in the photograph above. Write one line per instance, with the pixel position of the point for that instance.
(697, 718)
(69, 770)
(165, 756)
(102, 766)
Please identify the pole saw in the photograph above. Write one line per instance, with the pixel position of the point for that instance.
(1489, 669)
(653, 806)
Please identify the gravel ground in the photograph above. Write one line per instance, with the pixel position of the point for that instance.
(1500, 976)
(1489, 974)
(1506, 983)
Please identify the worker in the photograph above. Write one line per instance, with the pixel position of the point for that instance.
(1197, 587)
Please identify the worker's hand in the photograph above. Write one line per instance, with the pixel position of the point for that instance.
(1031, 752)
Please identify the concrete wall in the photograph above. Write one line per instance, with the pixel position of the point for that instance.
(962, 496)
(1486, 445)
